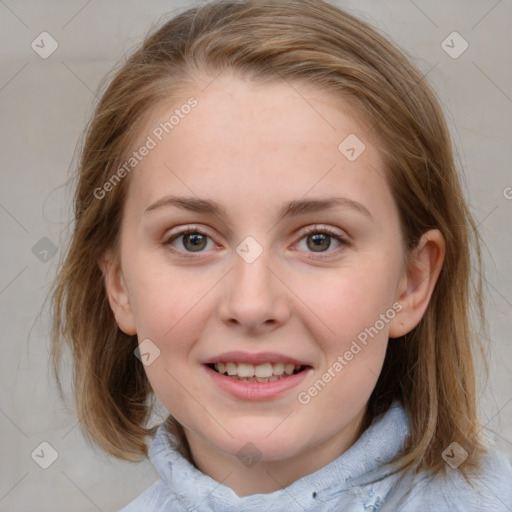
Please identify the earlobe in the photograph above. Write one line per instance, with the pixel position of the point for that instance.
(117, 293)
(418, 282)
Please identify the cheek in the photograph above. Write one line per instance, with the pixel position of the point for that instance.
(168, 303)
(353, 346)
(347, 301)
(171, 311)
(354, 305)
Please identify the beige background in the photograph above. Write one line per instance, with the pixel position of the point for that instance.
(45, 104)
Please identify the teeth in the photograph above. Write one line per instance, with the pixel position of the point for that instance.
(266, 372)
(231, 368)
(245, 370)
(262, 370)
(288, 368)
(278, 369)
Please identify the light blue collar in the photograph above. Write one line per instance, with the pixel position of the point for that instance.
(379, 444)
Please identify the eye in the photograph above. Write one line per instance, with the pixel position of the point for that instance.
(194, 240)
(319, 240)
(191, 240)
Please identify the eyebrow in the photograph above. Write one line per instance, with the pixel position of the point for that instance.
(291, 209)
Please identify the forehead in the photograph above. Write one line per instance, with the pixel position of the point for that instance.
(263, 140)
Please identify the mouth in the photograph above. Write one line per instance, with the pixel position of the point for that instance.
(264, 372)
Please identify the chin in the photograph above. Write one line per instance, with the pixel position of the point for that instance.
(262, 443)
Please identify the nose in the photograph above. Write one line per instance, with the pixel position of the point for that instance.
(255, 299)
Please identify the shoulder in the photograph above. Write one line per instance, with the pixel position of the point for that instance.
(493, 486)
(490, 489)
(154, 499)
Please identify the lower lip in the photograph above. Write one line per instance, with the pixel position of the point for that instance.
(256, 390)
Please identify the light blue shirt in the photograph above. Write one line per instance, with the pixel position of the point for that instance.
(340, 486)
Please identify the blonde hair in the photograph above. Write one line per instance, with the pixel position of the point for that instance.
(431, 372)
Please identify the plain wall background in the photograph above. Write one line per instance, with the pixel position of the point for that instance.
(45, 104)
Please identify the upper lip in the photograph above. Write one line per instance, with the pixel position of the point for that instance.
(254, 358)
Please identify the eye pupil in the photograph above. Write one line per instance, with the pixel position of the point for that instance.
(320, 241)
(197, 241)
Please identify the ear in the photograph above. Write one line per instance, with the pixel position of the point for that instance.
(418, 282)
(117, 293)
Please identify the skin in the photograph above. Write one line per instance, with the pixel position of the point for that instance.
(252, 148)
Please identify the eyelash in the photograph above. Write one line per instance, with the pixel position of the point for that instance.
(308, 232)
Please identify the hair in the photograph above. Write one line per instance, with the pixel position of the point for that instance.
(431, 369)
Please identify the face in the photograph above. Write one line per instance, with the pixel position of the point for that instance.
(298, 262)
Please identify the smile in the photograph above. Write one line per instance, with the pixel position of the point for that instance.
(256, 388)
(265, 372)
